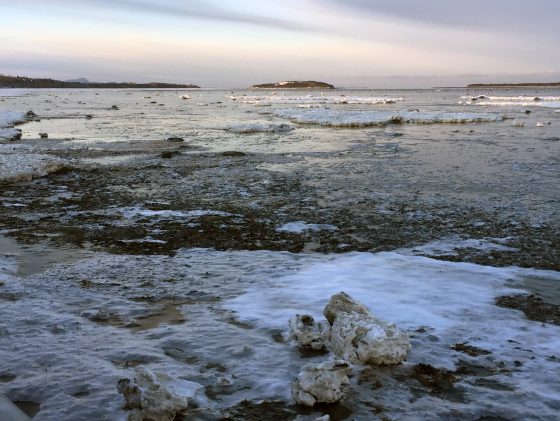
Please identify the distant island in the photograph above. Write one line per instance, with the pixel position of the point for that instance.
(27, 82)
(515, 85)
(307, 84)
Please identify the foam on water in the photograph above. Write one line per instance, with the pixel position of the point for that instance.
(136, 212)
(349, 118)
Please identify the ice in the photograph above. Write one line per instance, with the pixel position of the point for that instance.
(449, 246)
(514, 101)
(25, 167)
(136, 212)
(299, 227)
(260, 128)
(11, 118)
(312, 99)
(234, 303)
(7, 121)
(348, 118)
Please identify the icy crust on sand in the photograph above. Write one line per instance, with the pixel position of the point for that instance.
(233, 305)
(299, 227)
(347, 118)
(264, 100)
(21, 164)
(8, 119)
(513, 101)
(260, 128)
(138, 212)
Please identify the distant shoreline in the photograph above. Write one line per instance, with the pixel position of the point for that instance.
(515, 85)
(23, 82)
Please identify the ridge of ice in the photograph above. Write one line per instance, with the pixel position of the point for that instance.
(135, 212)
(250, 128)
(352, 118)
(512, 101)
(312, 100)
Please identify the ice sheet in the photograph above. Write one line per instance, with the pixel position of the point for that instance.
(349, 118)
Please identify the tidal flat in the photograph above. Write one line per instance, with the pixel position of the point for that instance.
(178, 232)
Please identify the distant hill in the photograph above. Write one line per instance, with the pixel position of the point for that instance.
(27, 82)
(515, 85)
(79, 80)
(308, 84)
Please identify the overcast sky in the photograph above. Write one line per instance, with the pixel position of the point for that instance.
(235, 43)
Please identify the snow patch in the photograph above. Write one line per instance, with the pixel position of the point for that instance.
(312, 100)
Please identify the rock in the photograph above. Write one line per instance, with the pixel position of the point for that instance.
(43, 135)
(156, 397)
(307, 333)
(175, 139)
(89, 116)
(233, 153)
(343, 303)
(169, 154)
(30, 114)
(185, 97)
(114, 107)
(321, 383)
(358, 336)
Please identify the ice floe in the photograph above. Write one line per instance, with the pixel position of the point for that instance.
(20, 163)
(349, 118)
(312, 99)
(513, 101)
(299, 227)
(260, 128)
(8, 119)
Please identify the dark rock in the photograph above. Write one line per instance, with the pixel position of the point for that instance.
(533, 307)
(470, 350)
(114, 107)
(30, 114)
(175, 139)
(169, 154)
(233, 153)
(89, 116)
(43, 135)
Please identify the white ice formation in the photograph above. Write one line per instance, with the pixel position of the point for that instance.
(263, 100)
(354, 118)
(321, 383)
(156, 397)
(308, 333)
(251, 128)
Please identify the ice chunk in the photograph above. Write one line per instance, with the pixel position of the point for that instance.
(300, 226)
(514, 101)
(342, 303)
(358, 336)
(308, 333)
(24, 167)
(260, 128)
(321, 383)
(156, 397)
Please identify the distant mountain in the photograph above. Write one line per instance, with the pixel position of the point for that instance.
(80, 80)
(515, 85)
(27, 82)
(308, 84)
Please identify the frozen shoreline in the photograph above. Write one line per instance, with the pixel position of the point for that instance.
(455, 305)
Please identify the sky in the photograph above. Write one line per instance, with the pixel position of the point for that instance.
(237, 43)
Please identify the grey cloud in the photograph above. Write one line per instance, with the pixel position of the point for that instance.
(198, 9)
(539, 15)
